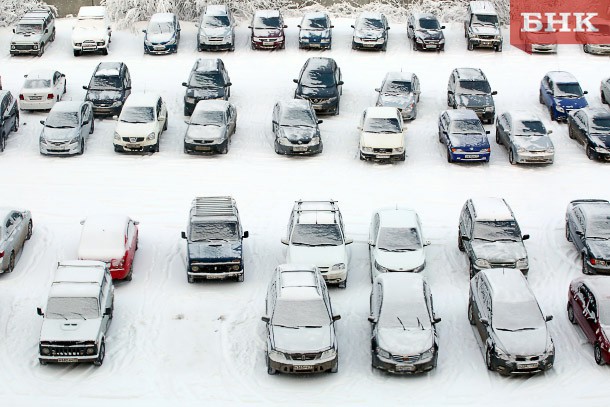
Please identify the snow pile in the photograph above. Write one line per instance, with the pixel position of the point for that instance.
(12, 10)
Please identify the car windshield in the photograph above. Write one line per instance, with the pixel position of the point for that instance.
(62, 120)
(318, 234)
(212, 80)
(37, 83)
(216, 21)
(429, 24)
(398, 240)
(206, 231)
(161, 27)
(103, 82)
(297, 118)
(485, 19)
(494, 231)
(466, 126)
(517, 316)
(475, 86)
(598, 227)
(600, 125)
(530, 128)
(382, 125)
(568, 90)
(407, 315)
(140, 114)
(28, 29)
(300, 313)
(370, 24)
(267, 22)
(208, 117)
(604, 312)
(72, 308)
(315, 23)
(316, 78)
(395, 87)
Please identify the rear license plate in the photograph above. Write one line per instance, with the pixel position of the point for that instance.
(71, 360)
(202, 148)
(313, 45)
(303, 368)
(317, 106)
(382, 156)
(527, 365)
(471, 156)
(300, 148)
(35, 97)
(214, 276)
(400, 368)
(132, 145)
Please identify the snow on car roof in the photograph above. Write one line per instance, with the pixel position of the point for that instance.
(471, 74)
(216, 10)
(295, 104)
(206, 64)
(508, 285)
(79, 271)
(67, 106)
(482, 7)
(142, 100)
(266, 13)
(595, 214)
(108, 69)
(381, 112)
(74, 289)
(298, 278)
(397, 217)
(597, 112)
(320, 63)
(491, 209)
(561, 77)
(399, 76)
(41, 74)
(404, 302)
(103, 237)
(461, 114)
(211, 105)
(162, 18)
(599, 285)
(87, 12)
(523, 116)
(312, 212)
(402, 287)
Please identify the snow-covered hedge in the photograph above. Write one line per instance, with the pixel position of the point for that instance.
(12, 10)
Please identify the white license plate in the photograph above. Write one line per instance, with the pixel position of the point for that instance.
(268, 42)
(471, 156)
(400, 368)
(486, 43)
(317, 106)
(382, 156)
(314, 45)
(159, 48)
(368, 45)
(214, 276)
(430, 46)
(132, 145)
(35, 97)
(202, 148)
(71, 360)
(303, 367)
(299, 148)
(527, 365)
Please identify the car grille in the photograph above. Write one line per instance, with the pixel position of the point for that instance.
(67, 348)
(503, 265)
(215, 39)
(23, 46)
(520, 358)
(382, 150)
(58, 143)
(213, 268)
(133, 139)
(304, 356)
(317, 100)
(487, 37)
(405, 359)
(203, 141)
(323, 269)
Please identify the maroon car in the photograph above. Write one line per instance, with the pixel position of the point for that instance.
(589, 307)
(267, 30)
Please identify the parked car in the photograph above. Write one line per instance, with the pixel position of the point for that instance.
(396, 241)
(321, 83)
(41, 89)
(211, 127)
(15, 229)
(208, 79)
(112, 239)
(482, 26)
(9, 116)
(267, 30)
(491, 237)
(597, 42)
(315, 31)
(425, 32)
(295, 128)
(469, 88)
(590, 126)
(92, 32)
(464, 136)
(77, 315)
(66, 128)
(604, 91)
(561, 93)
(381, 134)
(510, 324)
(109, 87)
(216, 28)
(316, 235)
(370, 31)
(162, 36)
(141, 123)
(33, 32)
(300, 322)
(539, 41)
(588, 307)
(403, 324)
(214, 237)
(525, 137)
(588, 228)
(400, 90)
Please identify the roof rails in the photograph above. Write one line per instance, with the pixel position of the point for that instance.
(333, 206)
(214, 206)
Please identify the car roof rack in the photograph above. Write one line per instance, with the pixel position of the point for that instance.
(214, 206)
(333, 209)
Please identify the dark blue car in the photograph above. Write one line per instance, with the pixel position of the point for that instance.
(315, 31)
(463, 134)
(162, 35)
(561, 93)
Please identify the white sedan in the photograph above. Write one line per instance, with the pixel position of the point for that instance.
(42, 89)
(396, 242)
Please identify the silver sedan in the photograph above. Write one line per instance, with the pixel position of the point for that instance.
(15, 229)
(525, 137)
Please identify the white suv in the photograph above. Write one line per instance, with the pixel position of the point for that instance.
(381, 134)
(92, 31)
(316, 235)
(142, 120)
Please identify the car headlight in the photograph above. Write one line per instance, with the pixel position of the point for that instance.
(35, 46)
(194, 268)
(91, 350)
(550, 348)
(228, 38)
(383, 353)
(485, 150)
(147, 43)
(522, 263)
(188, 138)
(442, 41)
(559, 108)
(457, 150)
(117, 136)
(428, 354)
(418, 39)
(43, 140)
(338, 266)
(284, 141)
(489, 109)
(75, 140)
(482, 263)
(399, 150)
(501, 353)
(367, 149)
(304, 39)
(77, 44)
(550, 150)
(171, 42)
(315, 141)
(380, 268)
(255, 38)
(601, 150)
(117, 103)
(329, 353)
(45, 351)
(521, 150)
(189, 99)
(151, 136)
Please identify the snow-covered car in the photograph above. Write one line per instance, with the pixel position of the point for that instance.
(92, 31)
(321, 83)
(589, 308)
(370, 31)
(295, 128)
(9, 116)
(15, 229)
(141, 123)
(162, 35)
(267, 30)
(209, 79)
(41, 89)
(525, 137)
(590, 126)
(315, 31)
(400, 90)
(482, 26)
(508, 321)
(216, 28)
(403, 324)
(604, 91)
(396, 241)
(561, 93)
(588, 228)
(595, 42)
(382, 134)
(539, 41)
(66, 128)
(214, 239)
(300, 322)
(316, 235)
(490, 235)
(463, 135)
(112, 239)
(108, 88)
(77, 314)
(425, 32)
(470, 89)
(33, 32)
(211, 127)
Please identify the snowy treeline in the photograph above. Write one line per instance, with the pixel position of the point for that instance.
(12, 10)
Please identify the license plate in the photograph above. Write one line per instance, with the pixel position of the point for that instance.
(314, 45)
(214, 276)
(527, 365)
(202, 148)
(368, 45)
(300, 148)
(400, 368)
(159, 48)
(132, 145)
(486, 43)
(317, 106)
(430, 46)
(382, 156)
(71, 360)
(471, 156)
(268, 42)
(35, 97)
(303, 367)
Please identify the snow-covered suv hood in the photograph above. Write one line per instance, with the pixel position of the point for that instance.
(135, 129)
(321, 256)
(485, 30)
(29, 38)
(500, 252)
(301, 340)
(215, 31)
(368, 33)
(217, 251)
(400, 261)
(70, 330)
(376, 140)
(403, 342)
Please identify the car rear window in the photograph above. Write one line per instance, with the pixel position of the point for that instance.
(37, 83)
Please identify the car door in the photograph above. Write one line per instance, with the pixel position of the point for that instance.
(233, 111)
(11, 112)
(161, 115)
(10, 238)
(20, 229)
(468, 226)
(275, 120)
(373, 237)
(579, 126)
(451, 90)
(376, 304)
(578, 237)
(4, 119)
(547, 91)
(416, 89)
(480, 309)
(590, 315)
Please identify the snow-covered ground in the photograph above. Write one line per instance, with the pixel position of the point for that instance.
(187, 344)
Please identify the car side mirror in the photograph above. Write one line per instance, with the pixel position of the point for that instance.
(108, 311)
(332, 26)
(377, 89)
(265, 319)
(144, 31)
(249, 26)
(427, 243)
(336, 317)
(136, 222)
(450, 92)
(13, 30)
(349, 241)
(525, 237)
(228, 84)
(436, 320)
(372, 319)
(285, 26)
(42, 122)
(246, 235)
(184, 84)
(339, 83)
(485, 321)
(387, 28)
(284, 241)
(411, 26)
(295, 80)
(549, 132)
(548, 318)
(466, 238)
(579, 233)
(183, 235)
(46, 30)
(585, 92)
(39, 311)
(352, 26)
(320, 121)
(442, 27)
(299, 25)
(128, 88)
(495, 92)
(487, 132)
(371, 243)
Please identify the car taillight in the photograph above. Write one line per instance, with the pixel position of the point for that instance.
(50, 96)
(2, 254)
(21, 97)
(116, 263)
(592, 260)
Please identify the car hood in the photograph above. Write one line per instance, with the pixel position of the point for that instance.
(403, 342)
(474, 100)
(103, 95)
(301, 340)
(52, 134)
(485, 30)
(500, 252)
(528, 342)
(429, 34)
(159, 38)
(533, 143)
(135, 129)
(322, 256)
(400, 261)
(82, 33)
(469, 140)
(205, 93)
(299, 135)
(326, 92)
(70, 330)
(215, 31)
(571, 103)
(267, 32)
(399, 101)
(305, 33)
(214, 250)
(600, 141)
(376, 140)
(198, 132)
(368, 33)
(26, 38)
(600, 249)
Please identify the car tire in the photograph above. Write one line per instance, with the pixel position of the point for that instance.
(540, 98)
(571, 316)
(498, 47)
(403, 157)
(585, 48)
(470, 314)
(498, 140)
(166, 123)
(29, 233)
(52, 35)
(41, 50)
(571, 132)
(449, 159)
(362, 157)
(552, 114)
(82, 147)
(92, 129)
(568, 237)
(156, 146)
(343, 284)
(187, 112)
(100, 358)
(16, 124)
(470, 46)
(76, 53)
(511, 157)
(472, 271)
(589, 151)
(415, 46)
(225, 148)
(270, 370)
(2, 142)
(240, 278)
(105, 51)
(597, 354)
(117, 149)
(11, 263)
(460, 242)
(488, 359)
(129, 275)
(335, 366)
(603, 97)
(190, 279)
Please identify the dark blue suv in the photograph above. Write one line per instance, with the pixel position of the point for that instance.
(561, 93)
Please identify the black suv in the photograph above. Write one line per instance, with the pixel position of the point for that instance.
(208, 79)
(320, 83)
(108, 88)
(9, 116)
(469, 88)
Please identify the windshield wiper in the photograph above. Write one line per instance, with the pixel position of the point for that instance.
(309, 326)
(57, 313)
(286, 326)
(506, 239)
(403, 325)
(80, 315)
(420, 324)
(484, 239)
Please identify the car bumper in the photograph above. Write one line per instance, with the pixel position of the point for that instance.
(391, 366)
(544, 48)
(118, 273)
(305, 366)
(204, 148)
(485, 43)
(333, 276)
(215, 276)
(216, 46)
(272, 44)
(25, 49)
(509, 367)
(433, 46)
(90, 47)
(45, 104)
(299, 149)
(160, 49)
(470, 156)
(407, 114)
(146, 145)
(597, 268)
(66, 148)
(605, 156)
(535, 158)
(107, 110)
(382, 156)
(360, 44)
(600, 49)
(485, 114)
(315, 44)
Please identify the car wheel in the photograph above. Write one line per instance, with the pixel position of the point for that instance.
(270, 370)
(335, 366)
(571, 316)
(449, 159)
(589, 151)
(571, 132)
(337, 108)
(100, 358)
(540, 98)
(460, 242)
(585, 266)
(498, 47)
(105, 51)
(343, 284)
(568, 237)
(240, 278)
(470, 46)
(585, 48)
(225, 148)
(470, 313)
(511, 157)
(76, 53)
(2, 142)
(403, 157)
(472, 270)
(415, 46)
(29, 233)
(552, 114)
(82, 147)
(92, 126)
(11, 263)
(190, 279)
(156, 147)
(129, 275)
(603, 97)
(117, 149)
(488, 359)
(16, 124)
(41, 50)
(52, 35)
(165, 124)
(597, 353)
(498, 141)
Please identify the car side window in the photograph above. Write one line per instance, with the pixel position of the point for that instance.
(3, 107)
(17, 217)
(159, 106)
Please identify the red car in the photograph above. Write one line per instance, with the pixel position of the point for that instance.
(267, 30)
(589, 307)
(112, 239)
